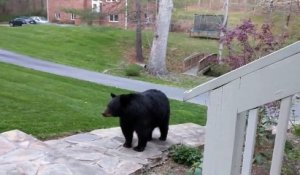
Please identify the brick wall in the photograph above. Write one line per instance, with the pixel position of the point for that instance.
(107, 9)
(56, 8)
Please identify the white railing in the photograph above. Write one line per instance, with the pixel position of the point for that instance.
(232, 111)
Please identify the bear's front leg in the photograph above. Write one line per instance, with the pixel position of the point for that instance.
(128, 134)
(143, 136)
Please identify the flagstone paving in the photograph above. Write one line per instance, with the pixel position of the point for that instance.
(96, 152)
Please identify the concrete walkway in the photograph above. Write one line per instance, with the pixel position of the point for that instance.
(99, 152)
(95, 77)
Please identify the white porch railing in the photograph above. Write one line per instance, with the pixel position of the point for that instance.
(234, 99)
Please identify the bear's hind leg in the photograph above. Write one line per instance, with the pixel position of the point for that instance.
(150, 135)
(163, 132)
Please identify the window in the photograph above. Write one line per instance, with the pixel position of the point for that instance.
(113, 18)
(73, 16)
(96, 7)
(57, 15)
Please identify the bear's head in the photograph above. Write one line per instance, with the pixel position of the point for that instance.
(117, 105)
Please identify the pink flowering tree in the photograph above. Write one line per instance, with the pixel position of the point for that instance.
(246, 42)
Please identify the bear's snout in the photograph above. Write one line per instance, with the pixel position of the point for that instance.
(106, 113)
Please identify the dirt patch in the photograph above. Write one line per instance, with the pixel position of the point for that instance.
(168, 167)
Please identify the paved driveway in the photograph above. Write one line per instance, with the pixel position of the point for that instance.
(95, 77)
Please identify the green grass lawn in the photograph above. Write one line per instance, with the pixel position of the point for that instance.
(94, 48)
(48, 106)
(99, 48)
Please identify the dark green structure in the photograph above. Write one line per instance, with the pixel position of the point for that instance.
(207, 26)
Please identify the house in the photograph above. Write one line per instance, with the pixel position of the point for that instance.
(120, 13)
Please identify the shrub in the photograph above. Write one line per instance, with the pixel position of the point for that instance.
(133, 70)
(296, 130)
(218, 69)
(291, 159)
(196, 169)
(246, 42)
(185, 155)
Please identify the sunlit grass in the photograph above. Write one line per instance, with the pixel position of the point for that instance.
(48, 106)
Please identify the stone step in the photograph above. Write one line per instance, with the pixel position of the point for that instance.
(96, 152)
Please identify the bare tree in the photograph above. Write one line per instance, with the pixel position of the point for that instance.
(225, 8)
(2, 5)
(138, 39)
(157, 60)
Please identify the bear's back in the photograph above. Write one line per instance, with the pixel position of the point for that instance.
(157, 101)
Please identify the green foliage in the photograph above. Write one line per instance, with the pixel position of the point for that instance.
(265, 142)
(133, 70)
(185, 155)
(196, 169)
(291, 158)
(265, 138)
(60, 106)
(296, 130)
(218, 70)
(261, 158)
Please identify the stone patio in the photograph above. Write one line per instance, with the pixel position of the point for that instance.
(96, 152)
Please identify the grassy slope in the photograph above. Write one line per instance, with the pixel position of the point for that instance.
(98, 48)
(48, 106)
(95, 48)
(92, 48)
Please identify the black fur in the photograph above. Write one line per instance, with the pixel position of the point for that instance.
(140, 112)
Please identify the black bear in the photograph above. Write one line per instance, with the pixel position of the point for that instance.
(140, 112)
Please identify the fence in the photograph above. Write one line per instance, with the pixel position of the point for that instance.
(232, 111)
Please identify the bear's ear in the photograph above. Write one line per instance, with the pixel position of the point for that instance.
(112, 95)
(125, 99)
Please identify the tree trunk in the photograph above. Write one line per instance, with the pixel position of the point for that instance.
(226, 7)
(2, 6)
(245, 5)
(42, 6)
(157, 60)
(138, 38)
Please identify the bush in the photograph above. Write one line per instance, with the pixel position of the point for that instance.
(133, 70)
(291, 158)
(185, 155)
(296, 130)
(246, 42)
(196, 169)
(218, 69)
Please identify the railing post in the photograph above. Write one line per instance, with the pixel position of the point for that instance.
(222, 132)
(239, 142)
(250, 142)
(284, 114)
